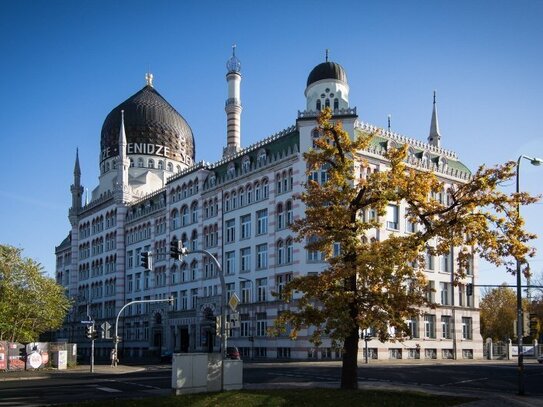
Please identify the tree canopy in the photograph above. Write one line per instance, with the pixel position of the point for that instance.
(30, 302)
(498, 313)
(379, 283)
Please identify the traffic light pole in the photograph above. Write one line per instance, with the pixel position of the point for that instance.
(116, 337)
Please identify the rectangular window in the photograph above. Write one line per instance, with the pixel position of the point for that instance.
(230, 226)
(281, 280)
(245, 259)
(193, 297)
(261, 289)
(230, 262)
(245, 325)
(467, 330)
(261, 324)
(430, 291)
(445, 289)
(230, 289)
(413, 325)
(245, 288)
(261, 256)
(429, 326)
(129, 255)
(245, 224)
(446, 263)
(429, 261)
(262, 222)
(446, 326)
(393, 217)
(184, 303)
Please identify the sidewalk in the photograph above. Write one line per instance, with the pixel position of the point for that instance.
(80, 369)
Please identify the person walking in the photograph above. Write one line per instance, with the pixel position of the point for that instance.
(114, 359)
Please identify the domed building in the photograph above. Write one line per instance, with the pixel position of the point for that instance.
(152, 194)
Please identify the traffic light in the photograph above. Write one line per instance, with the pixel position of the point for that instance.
(177, 251)
(533, 325)
(146, 261)
(469, 289)
(89, 330)
(174, 250)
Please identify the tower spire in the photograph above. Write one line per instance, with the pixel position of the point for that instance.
(123, 165)
(326, 57)
(77, 191)
(233, 105)
(434, 138)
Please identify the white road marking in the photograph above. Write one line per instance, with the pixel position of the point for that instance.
(109, 389)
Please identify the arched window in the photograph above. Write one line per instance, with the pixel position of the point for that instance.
(318, 105)
(249, 190)
(241, 194)
(160, 164)
(184, 216)
(290, 213)
(280, 216)
(327, 103)
(336, 104)
(265, 189)
(194, 212)
(170, 167)
(131, 163)
(289, 251)
(151, 163)
(194, 240)
(107, 166)
(140, 162)
(280, 252)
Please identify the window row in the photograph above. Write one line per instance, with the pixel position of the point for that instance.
(183, 191)
(284, 181)
(247, 195)
(184, 216)
(139, 233)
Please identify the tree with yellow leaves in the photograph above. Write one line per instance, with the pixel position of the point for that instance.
(380, 283)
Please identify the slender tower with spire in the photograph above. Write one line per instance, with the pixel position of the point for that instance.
(233, 105)
(77, 191)
(122, 190)
(435, 137)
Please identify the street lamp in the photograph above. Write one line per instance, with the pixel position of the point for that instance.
(520, 333)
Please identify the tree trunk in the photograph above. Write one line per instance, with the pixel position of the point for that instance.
(349, 368)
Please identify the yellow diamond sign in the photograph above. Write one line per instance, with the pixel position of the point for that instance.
(233, 301)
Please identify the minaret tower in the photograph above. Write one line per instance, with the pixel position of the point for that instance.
(233, 105)
(122, 190)
(435, 137)
(77, 192)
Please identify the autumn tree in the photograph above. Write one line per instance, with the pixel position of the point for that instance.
(378, 284)
(498, 313)
(30, 302)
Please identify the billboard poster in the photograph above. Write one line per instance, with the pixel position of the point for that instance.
(3, 355)
(37, 355)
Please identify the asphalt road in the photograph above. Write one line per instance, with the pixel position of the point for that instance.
(68, 387)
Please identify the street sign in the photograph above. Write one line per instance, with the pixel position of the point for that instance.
(234, 320)
(234, 301)
(87, 322)
(106, 326)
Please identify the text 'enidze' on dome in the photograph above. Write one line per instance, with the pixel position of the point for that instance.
(152, 125)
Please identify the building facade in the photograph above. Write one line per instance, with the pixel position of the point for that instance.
(152, 192)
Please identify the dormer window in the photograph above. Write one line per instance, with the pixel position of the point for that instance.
(231, 170)
(262, 156)
(246, 165)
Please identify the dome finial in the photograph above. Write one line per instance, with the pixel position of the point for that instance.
(326, 55)
(233, 64)
(149, 79)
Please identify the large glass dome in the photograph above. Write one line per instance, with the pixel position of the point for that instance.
(152, 127)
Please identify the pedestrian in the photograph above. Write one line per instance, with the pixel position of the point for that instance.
(114, 359)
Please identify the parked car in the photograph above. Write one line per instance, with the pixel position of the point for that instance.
(540, 358)
(232, 352)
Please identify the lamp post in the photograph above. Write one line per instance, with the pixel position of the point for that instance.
(520, 333)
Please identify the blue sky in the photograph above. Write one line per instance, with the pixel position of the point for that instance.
(66, 64)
